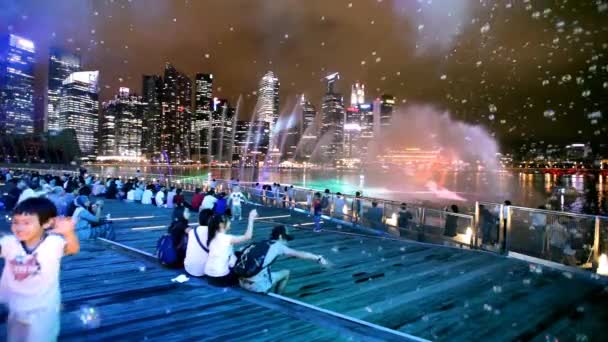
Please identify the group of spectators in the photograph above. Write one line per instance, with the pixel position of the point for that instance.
(71, 195)
(209, 249)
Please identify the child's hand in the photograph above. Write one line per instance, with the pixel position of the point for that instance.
(63, 226)
(253, 214)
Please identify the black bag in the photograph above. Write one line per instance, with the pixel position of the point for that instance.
(251, 260)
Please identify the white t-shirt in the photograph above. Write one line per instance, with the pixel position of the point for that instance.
(221, 256)
(196, 257)
(31, 281)
(146, 197)
(160, 198)
(27, 193)
(131, 195)
(208, 202)
(236, 198)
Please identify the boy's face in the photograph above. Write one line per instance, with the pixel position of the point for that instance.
(27, 227)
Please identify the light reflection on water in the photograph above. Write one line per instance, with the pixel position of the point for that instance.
(529, 190)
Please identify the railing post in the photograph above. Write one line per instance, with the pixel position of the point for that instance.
(508, 229)
(501, 226)
(596, 240)
(476, 226)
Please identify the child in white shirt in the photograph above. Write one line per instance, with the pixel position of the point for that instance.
(30, 278)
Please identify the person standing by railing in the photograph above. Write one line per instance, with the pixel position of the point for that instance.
(356, 208)
(317, 212)
(234, 201)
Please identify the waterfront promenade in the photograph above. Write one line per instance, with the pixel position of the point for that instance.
(378, 288)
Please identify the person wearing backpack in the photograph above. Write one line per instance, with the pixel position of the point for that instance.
(197, 251)
(171, 247)
(221, 249)
(253, 266)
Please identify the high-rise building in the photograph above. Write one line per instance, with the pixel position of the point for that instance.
(309, 115)
(79, 110)
(332, 121)
(222, 130)
(366, 116)
(121, 126)
(386, 110)
(61, 65)
(357, 95)
(201, 121)
(152, 96)
(16, 85)
(352, 134)
(250, 142)
(175, 115)
(267, 107)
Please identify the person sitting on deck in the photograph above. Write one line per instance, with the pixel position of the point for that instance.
(197, 199)
(197, 251)
(221, 251)
(160, 197)
(91, 225)
(178, 199)
(30, 277)
(179, 230)
(139, 192)
(131, 195)
(146, 197)
(451, 222)
(170, 197)
(25, 191)
(209, 200)
(374, 216)
(265, 280)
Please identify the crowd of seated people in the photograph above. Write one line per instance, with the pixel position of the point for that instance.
(71, 195)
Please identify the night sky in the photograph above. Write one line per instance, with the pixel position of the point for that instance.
(527, 70)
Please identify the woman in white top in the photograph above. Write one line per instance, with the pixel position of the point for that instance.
(221, 251)
(197, 251)
(131, 195)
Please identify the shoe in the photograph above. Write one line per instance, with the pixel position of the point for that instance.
(317, 230)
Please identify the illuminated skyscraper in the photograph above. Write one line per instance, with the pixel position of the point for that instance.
(357, 95)
(152, 97)
(79, 110)
(308, 131)
(16, 85)
(201, 121)
(61, 65)
(366, 116)
(267, 107)
(222, 130)
(175, 115)
(122, 126)
(332, 121)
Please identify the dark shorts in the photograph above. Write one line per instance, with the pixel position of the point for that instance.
(228, 280)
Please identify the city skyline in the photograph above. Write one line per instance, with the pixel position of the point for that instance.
(528, 72)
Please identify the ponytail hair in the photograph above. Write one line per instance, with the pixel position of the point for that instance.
(214, 226)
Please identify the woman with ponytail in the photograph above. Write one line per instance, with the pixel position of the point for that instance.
(221, 249)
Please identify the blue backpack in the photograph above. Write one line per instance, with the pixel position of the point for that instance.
(165, 250)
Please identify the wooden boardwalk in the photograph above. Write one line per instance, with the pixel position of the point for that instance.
(434, 292)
